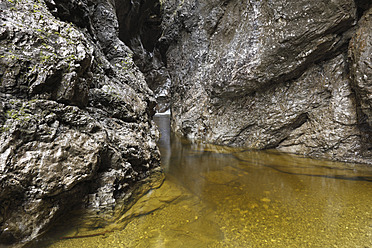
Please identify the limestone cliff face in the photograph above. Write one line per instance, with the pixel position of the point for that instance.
(360, 54)
(75, 110)
(272, 74)
(75, 115)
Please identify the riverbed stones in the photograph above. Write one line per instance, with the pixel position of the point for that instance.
(75, 116)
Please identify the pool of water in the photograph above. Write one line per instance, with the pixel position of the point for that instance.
(217, 196)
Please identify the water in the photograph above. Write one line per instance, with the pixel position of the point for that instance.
(224, 197)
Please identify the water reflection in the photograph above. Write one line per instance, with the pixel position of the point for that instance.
(224, 197)
(164, 143)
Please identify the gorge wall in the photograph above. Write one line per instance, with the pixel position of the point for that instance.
(76, 114)
(290, 75)
(79, 78)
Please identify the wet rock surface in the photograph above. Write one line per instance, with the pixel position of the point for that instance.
(271, 75)
(360, 50)
(75, 115)
(77, 81)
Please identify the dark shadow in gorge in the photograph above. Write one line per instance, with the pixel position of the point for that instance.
(140, 29)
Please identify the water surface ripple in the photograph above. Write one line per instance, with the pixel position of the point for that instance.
(217, 196)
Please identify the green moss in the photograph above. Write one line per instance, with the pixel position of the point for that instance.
(19, 115)
(71, 57)
(45, 58)
(12, 56)
(11, 114)
(4, 129)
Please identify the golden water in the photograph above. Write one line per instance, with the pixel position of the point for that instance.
(224, 197)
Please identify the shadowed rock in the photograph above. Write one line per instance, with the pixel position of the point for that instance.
(75, 117)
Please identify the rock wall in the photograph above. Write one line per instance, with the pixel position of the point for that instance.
(76, 114)
(76, 111)
(140, 28)
(360, 50)
(272, 74)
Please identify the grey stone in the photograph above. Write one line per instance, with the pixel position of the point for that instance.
(360, 50)
(75, 108)
(265, 74)
(75, 117)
